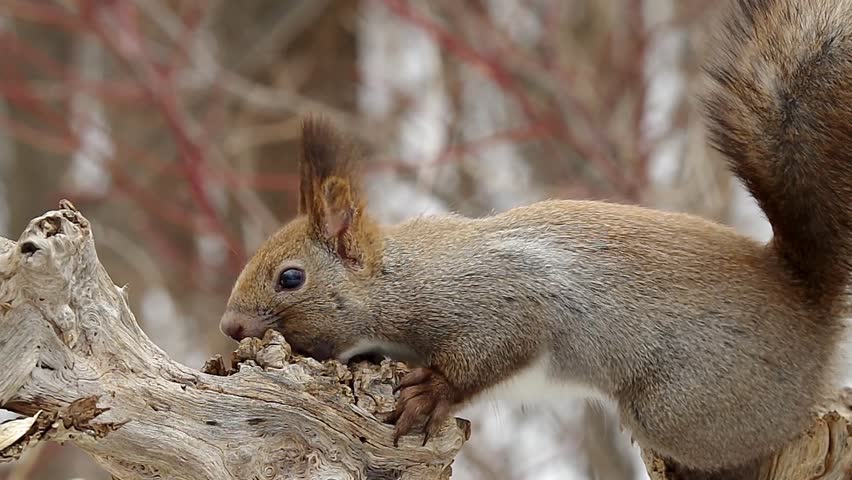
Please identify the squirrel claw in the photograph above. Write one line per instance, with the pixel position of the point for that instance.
(414, 377)
(436, 418)
(423, 391)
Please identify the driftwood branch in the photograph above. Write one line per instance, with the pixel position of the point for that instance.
(76, 363)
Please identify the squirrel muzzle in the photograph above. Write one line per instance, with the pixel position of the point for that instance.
(238, 325)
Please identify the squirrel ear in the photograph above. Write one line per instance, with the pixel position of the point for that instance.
(324, 153)
(342, 225)
(304, 189)
(329, 195)
(338, 208)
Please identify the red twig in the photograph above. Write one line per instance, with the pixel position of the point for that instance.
(26, 98)
(43, 13)
(518, 135)
(60, 144)
(592, 144)
(453, 44)
(595, 152)
(12, 47)
(159, 85)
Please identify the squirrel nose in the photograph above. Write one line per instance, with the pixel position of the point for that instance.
(233, 325)
(235, 332)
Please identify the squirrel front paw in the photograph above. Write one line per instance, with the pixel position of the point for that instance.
(423, 391)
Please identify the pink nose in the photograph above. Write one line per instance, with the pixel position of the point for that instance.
(235, 325)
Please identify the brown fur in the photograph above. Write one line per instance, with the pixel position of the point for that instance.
(780, 106)
(697, 333)
(329, 195)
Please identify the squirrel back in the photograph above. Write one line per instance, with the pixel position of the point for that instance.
(779, 107)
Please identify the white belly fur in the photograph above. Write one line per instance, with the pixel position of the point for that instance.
(536, 385)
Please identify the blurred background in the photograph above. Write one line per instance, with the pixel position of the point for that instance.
(173, 125)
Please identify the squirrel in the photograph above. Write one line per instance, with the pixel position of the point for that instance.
(714, 348)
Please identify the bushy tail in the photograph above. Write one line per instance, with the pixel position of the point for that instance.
(780, 108)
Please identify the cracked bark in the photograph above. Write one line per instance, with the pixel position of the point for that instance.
(79, 367)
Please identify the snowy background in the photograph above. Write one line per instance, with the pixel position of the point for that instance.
(173, 124)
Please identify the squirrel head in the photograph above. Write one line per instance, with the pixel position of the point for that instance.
(304, 279)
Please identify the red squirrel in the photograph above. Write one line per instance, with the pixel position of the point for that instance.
(714, 348)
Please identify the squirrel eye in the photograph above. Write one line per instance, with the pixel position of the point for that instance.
(291, 279)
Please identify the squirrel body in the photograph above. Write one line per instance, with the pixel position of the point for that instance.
(612, 299)
(715, 349)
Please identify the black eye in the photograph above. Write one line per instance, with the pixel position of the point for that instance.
(291, 279)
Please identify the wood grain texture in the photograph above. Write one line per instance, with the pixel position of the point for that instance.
(73, 353)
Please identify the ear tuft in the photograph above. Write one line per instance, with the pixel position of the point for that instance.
(324, 149)
(323, 153)
(330, 196)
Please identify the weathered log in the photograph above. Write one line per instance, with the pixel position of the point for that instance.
(77, 364)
